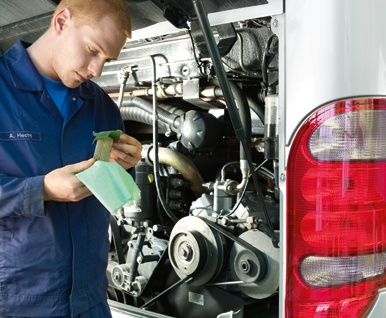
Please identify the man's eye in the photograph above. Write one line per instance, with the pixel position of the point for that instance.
(92, 50)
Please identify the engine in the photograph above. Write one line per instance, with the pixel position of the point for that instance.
(203, 240)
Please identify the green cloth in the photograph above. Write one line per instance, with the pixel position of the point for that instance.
(113, 186)
(112, 133)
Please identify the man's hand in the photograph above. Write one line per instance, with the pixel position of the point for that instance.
(126, 152)
(62, 184)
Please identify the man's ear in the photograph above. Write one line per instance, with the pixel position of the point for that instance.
(61, 20)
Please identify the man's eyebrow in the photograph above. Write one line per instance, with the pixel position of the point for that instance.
(100, 47)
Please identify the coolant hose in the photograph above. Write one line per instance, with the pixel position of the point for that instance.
(257, 107)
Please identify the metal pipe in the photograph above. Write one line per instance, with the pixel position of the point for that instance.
(184, 165)
(155, 146)
(124, 78)
(143, 67)
(245, 173)
(173, 90)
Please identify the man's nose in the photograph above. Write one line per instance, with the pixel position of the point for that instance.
(96, 67)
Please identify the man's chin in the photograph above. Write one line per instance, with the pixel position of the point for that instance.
(71, 84)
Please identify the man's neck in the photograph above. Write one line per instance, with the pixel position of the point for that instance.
(39, 52)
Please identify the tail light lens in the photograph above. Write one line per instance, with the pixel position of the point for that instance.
(336, 211)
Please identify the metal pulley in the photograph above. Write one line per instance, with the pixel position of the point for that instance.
(247, 267)
(196, 250)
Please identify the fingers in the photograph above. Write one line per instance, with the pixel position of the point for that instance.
(63, 185)
(80, 166)
(126, 152)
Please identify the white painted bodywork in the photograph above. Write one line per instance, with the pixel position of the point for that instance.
(334, 49)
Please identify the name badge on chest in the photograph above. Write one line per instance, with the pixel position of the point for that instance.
(20, 135)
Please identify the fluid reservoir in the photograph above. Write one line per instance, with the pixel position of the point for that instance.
(144, 207)
(271, 130)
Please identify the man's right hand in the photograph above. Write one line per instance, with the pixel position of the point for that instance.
(62, 184)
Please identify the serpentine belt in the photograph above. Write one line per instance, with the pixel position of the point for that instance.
(241, 242)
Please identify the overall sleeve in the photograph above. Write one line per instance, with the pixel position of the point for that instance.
(21, 196)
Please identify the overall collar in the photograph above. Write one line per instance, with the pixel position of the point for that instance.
(25, 75)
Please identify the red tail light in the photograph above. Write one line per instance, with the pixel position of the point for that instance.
(336, 211)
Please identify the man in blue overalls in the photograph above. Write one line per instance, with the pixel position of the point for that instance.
(53, 232)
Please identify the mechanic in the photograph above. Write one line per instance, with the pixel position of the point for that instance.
(53, 233)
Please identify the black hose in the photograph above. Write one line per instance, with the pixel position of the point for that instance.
(147, 106)
(140, 109)
(245, 115)
(135, 114)
(257, 107)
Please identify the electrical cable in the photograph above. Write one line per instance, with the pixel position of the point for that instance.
(264, 62)
(198, 62)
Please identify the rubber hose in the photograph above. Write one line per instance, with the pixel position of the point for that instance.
(147, 106)
(257, 107)
(245, 115)
(129, 112)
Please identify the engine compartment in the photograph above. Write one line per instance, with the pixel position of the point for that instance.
(203, 238)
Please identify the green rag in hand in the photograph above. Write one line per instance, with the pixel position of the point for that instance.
(111, 184)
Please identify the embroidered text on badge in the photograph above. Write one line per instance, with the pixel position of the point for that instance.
(20, 135)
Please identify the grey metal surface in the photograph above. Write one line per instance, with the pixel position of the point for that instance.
(119, 310)
(12, 11)
(175, 58)
(379, 307)
(170, 56)
(20, 29)
(26, 20)
(331, 56)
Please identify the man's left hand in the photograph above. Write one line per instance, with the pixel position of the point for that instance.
(126, 152)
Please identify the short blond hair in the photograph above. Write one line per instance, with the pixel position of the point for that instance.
(88, 12)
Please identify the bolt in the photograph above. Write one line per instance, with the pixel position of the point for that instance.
(229, 188)
(268, 197)
(282, 177)
(186, 252)
(275, 23)
(117, 277)
(185, 70)
(246, 266)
